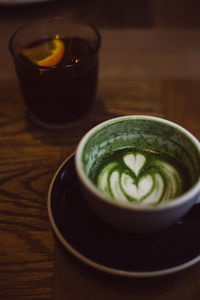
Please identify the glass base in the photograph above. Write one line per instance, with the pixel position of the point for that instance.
(67, 125)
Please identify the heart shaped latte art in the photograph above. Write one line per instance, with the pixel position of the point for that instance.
(140, 179)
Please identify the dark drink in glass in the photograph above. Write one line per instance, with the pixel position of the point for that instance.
(63, 91)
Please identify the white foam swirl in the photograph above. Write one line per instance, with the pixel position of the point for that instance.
(133, 183)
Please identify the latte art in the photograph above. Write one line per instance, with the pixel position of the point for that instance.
(139, 176)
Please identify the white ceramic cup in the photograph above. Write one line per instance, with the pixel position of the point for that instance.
(156, 135)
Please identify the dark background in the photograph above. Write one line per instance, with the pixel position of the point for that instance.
(114, 13)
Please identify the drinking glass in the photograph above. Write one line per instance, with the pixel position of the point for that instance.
(57, 95)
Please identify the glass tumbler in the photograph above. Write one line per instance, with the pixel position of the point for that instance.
(56, 63)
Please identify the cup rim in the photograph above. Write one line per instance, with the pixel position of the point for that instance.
(43, 21)
(189, 194)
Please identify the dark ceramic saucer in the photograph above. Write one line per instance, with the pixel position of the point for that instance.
(106, 249)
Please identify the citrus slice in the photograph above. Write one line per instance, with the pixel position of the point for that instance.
(47, 54)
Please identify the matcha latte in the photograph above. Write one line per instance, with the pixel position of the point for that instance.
(139, 173)
(140, 176)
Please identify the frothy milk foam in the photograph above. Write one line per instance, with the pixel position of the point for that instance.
(139, 176)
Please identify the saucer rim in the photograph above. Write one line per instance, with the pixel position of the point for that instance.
(103, 268)
(21, 2)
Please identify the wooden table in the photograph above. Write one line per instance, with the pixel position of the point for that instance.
(149, 72)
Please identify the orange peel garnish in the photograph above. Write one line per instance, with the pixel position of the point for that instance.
(46, 54)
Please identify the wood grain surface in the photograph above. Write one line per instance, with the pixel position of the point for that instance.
(142, 71)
